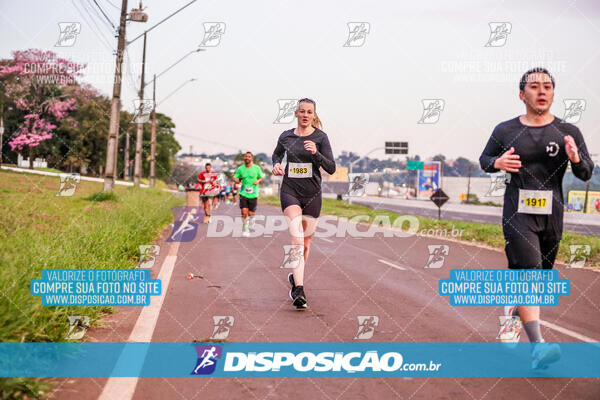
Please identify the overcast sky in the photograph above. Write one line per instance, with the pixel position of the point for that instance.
(366, 93)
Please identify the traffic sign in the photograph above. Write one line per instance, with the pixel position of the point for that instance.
(396, 147)
(415, 165)
(439, 198)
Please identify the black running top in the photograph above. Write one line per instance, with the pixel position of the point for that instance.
(543, 160)
(293, 145)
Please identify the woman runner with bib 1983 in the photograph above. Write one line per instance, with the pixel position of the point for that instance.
(307, 149)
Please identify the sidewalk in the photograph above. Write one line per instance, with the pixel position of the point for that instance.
(83, 178)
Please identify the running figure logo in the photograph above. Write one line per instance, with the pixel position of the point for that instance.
(68, 184)
(510, 329)
(579, 255)
(292, 254)
(498, 181)
(437, 255)
(366, 326)
(285, 115)
(212, 34)
(68, 33)
(358, 184)
(499, 32)
(432, 109)
(207, 359)
(223, 324)
(148, 254)
(357, 33)
(142, 116)
(78, 324)
(186, 224)
(573, 110)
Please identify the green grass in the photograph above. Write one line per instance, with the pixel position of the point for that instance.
(102, 196)
(88, 230)
(473, 232)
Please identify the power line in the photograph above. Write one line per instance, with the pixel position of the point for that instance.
(105, 16)
(101, 38)
(128, 73)
(160, 22)
(206, 140)
(86, 7)
(110, 2)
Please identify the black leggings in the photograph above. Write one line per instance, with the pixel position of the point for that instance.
(309, 205)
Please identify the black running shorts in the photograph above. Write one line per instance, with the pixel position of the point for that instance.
(250, 204)
(528, 247)
(310, 205)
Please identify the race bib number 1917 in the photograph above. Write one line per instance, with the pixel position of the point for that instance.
(535, 202)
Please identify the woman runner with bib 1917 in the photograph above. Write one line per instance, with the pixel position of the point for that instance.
(307, 148)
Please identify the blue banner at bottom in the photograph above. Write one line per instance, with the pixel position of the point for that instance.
(366, 359)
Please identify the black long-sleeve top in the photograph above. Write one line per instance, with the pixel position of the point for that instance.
(293, 145)
(543, 161)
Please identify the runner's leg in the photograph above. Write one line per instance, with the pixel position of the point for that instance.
(293, 215)
(309, 225)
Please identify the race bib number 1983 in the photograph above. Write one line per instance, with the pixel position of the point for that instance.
(300, 170)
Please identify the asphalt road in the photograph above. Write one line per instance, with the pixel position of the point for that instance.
(572, 223)
(345, 278)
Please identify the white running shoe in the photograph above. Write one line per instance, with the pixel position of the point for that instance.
(509, 310)
(246, 231)
(251, 222)
(510, 327)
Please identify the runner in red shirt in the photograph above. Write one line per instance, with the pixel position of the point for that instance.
(209, 188)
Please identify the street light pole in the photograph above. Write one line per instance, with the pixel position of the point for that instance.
(153, 135)
(153, 138)
(137, 174)
(179, 87)
(587, 185)
(174, 64)
(1, 129)
(115, 107)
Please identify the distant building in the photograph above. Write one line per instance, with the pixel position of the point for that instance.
(340, 175)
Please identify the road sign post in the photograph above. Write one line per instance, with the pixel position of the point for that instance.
(439, 198)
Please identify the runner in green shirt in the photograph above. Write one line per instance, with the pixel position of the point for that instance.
(250, 176)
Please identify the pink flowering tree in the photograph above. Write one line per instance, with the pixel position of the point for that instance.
(35, 81)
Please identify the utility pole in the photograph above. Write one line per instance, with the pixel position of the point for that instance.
(126, 156)
(587, 185)
(153, 137)
(468, 184)
(137, 172)
(115, 107)
(1, 129)
(126, 160)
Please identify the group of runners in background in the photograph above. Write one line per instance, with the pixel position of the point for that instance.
(533, 149)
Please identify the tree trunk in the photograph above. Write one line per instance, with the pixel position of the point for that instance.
(30, 157)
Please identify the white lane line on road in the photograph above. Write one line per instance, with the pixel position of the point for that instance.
(327, 240)
(567, 332)
(391, 265)
(124, 388)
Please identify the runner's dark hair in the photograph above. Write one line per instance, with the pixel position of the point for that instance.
(535, 70)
